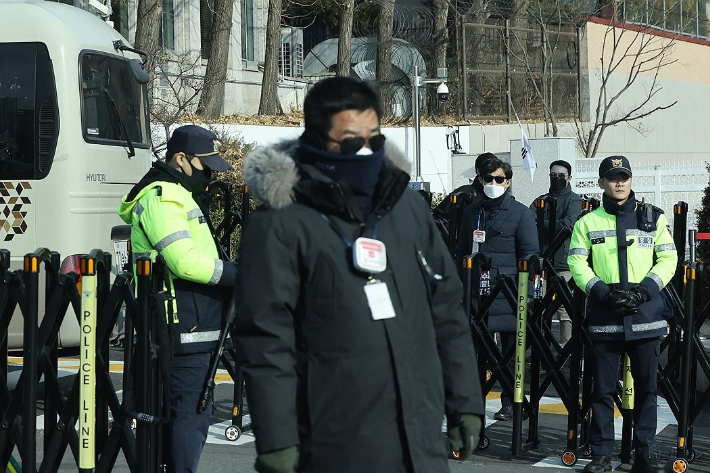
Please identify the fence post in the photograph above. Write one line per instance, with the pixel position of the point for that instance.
(144, 439)
(87, 371)
(520, 346)
(29, 365)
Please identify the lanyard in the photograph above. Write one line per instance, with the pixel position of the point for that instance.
(488, 222)
(342, 236)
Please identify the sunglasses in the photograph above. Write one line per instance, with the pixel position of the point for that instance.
(499, 179)
(553, 175)
(355, 144)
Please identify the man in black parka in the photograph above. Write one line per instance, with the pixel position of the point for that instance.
(503, 230)
(567, 211)
(351, 358)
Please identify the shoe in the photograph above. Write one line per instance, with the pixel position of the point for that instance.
(646, 465)
(599, 464)
(505, 413)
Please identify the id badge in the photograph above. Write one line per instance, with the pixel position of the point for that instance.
(378, 298)
(484, 286)
(479, 236)
(369, 255)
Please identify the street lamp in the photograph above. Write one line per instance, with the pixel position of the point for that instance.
(442, 93)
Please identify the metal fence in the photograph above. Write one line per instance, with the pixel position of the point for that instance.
(662, 185)
(536, 63)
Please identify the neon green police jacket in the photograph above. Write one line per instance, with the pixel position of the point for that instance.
(166, 219)
(624, 244)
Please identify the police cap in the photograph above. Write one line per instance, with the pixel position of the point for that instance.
(199, 142)
(614, 165)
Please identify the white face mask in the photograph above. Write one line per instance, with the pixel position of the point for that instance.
(364, 151)
(493, 191)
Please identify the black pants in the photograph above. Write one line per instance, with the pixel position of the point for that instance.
(187, 431)
(606, 357)
(507, 342)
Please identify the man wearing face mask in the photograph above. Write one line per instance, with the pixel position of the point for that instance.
(350, 329)
(569, 207)
(167, 221)
(466, 194)
(504, 231)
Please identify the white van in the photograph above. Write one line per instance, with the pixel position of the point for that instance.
(74, 134)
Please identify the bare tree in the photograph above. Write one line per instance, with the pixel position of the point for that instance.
(383, 72)
(345, 38)
(180, 85)
(212, 96)
(269, 102)
(440, 33)
(633, 53)
(148, 30)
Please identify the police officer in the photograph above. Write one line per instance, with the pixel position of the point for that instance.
(632, 259)
(569, 207)
(167, 220)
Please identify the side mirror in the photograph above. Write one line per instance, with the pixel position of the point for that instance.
(139, 72)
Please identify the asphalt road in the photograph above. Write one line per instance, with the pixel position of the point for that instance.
(221, 455)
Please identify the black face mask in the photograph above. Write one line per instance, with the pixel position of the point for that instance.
(557, 183)
(199, 181)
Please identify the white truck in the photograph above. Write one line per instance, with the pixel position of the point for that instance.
(74, 134)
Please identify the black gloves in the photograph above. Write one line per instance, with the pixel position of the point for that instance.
(463, 434)
(279, 461)
(627, 301)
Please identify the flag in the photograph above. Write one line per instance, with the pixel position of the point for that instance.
(527, 153)
(526, 150)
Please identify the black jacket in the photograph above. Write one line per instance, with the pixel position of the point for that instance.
(510, 235)
(569, 208)
(357, 394)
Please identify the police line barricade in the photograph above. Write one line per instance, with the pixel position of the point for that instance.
(93, 446)
(493, 365)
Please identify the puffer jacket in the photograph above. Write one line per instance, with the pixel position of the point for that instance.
(511, 235)
(568, 210)
(356, 394)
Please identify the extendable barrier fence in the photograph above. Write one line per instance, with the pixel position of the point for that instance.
(534, 296)
(79, 419)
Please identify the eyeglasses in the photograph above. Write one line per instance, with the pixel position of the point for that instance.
(561, 175)
(355, 144)
(499, 179)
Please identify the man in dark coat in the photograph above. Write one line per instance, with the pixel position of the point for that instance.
(567, 211)
(350, 328)
(504, 231)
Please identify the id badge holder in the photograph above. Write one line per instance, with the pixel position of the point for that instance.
(479, 236)
(369, 255)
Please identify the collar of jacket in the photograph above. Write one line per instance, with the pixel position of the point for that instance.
(159, 172)
(612, 206)
(498, 202)
(275, 178)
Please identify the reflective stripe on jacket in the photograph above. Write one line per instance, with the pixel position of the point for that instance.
(166, 214)
(595, 234)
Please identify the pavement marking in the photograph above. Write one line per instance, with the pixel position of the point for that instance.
(555, 462)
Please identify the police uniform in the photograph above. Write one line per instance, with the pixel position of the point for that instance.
(167, 220)
(631, 248)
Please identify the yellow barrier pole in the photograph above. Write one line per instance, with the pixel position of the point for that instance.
(627, 410)
(87, 370)
(520, 345)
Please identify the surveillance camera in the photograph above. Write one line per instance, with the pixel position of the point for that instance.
(442, 92)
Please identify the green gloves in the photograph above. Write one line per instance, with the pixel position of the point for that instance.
(463, 432)
(278, 461)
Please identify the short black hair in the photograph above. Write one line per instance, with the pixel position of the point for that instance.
(483, 158)
(563, 163)
(334, 95)
(491, 165)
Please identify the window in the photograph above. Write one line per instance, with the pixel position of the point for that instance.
(168, 25)
(113, 102)
(119, 16)
(248, 30)
(29, 117)
(206, 16)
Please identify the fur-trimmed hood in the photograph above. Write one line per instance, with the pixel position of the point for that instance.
(272, 173)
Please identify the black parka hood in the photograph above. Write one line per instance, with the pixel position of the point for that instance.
(276, 178)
